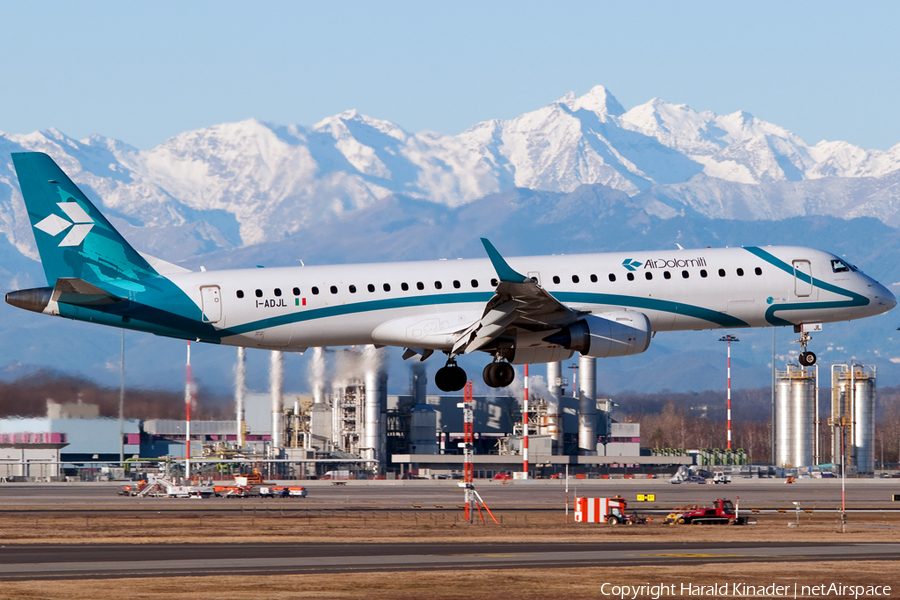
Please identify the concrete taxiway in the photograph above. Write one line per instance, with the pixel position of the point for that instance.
(141, 560)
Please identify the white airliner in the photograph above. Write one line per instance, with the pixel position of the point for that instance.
(525, 310)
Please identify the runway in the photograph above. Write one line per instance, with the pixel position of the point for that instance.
(162, 560)
(871, 494)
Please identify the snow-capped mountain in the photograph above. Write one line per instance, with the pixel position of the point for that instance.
(581, 174)
(247, 183)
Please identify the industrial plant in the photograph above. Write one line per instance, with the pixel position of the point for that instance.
(349, 424)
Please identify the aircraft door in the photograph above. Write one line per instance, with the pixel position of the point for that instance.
(803, 287)
(534, 276)
(211, 303)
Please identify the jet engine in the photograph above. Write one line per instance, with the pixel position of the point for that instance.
(619, 333)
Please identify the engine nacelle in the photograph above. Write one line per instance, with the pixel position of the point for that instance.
(532, 356)
(620, 333)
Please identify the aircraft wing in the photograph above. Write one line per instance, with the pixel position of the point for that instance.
(518, 302)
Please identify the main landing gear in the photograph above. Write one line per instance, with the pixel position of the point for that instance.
(807, 359)
(452, 378)
(498, 374)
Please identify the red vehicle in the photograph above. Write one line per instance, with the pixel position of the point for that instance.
(723, 513)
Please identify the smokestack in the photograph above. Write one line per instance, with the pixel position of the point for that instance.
(317, 375)
(554, 416)
(587, 406)
(276, 379)
(372, 429)
(240, 370)
(419, 381)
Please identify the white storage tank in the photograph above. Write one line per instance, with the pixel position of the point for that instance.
(795, 417)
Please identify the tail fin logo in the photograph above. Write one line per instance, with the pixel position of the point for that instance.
(79, 224)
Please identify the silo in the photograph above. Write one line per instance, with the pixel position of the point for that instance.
(853, 407)
(795, 417)
(864, 423)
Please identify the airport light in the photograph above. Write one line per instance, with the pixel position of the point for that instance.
(729, 338)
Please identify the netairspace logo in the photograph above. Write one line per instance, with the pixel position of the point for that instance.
(743, 590)
(78, 220)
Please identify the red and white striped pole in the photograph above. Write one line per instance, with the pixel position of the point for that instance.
(188, 398)
(729, 339)
(729, 395)
(525, 430)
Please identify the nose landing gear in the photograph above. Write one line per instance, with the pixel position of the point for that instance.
(807, 359)
(451, 377)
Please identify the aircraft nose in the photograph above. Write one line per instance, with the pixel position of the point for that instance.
(881, 296)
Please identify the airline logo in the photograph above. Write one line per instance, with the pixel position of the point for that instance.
(631, 265)
(664, 263)
(78, 224)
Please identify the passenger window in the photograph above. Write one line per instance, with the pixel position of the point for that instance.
(352, 289)
(494, 282)
(334, 289)
(612, 276)
(420, 286)
(296, 291)
(259, 293)
(740, 272)
(474, 283)
(703, 273)
(370, 287)
(240, 293)
(386, 287)
(721, 272)
(648, 275)
(314, 290)
(667, 275)
(277, 292)
(630, 276)
(685, 274)
(575, 279)
(404, 286)
(438, 285)
(456, 284)
(593, 278)
(555, 279)
(758, 271)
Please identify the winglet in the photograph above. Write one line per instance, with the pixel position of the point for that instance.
(504, 271)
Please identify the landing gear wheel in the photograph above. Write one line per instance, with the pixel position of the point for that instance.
(450, 378)
(807, 359)
(498, 374)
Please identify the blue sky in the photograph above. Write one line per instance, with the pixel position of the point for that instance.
(142, 72)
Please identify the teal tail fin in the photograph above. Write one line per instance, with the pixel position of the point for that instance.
(73, 238)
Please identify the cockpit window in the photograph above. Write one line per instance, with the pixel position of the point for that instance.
(839, 266)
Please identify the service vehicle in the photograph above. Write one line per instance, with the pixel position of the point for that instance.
(722, 513)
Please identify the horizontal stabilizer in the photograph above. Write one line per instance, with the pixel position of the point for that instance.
(71, 290)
